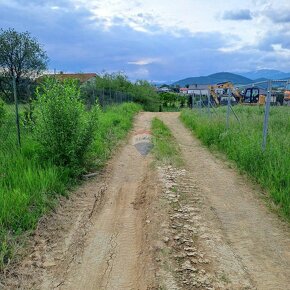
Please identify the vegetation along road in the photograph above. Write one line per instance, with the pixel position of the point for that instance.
(176, 217)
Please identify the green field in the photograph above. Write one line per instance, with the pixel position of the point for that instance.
(242, 144)
(29, 185)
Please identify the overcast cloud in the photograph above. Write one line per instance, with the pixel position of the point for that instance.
(243, 14)
(156, 40)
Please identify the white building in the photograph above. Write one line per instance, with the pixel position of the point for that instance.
(199, 89)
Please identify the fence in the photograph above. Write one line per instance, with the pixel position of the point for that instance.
(106, 97)
(16, 117)
(205, 104)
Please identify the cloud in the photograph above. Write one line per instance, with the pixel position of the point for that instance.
(280, 36)
(145, 61)
(243, 14)
(143, 44)
(279, 16)
(278, 48)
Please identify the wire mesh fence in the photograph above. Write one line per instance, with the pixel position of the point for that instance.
(16, 117)
(15, 121)
(106, 97)
(263, 99)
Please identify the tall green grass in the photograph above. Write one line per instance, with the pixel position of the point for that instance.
(242, 144)
(113, 125)
(29, 186)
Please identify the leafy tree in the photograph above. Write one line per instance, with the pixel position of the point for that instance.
(145, 94)
(182, 99)
(22, 57)
(107, 85)
(168, 99)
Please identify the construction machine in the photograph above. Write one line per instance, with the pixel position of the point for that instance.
(251, 95)
(254, 96)
(220, 91)
(287, 94)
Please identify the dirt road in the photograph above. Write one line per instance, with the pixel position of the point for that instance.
(255, 240)
(139, 226)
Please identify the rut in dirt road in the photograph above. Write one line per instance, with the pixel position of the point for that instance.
(97, 239)
(112, 258)
(251, 237)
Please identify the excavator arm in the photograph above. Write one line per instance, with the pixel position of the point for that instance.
(226, 85)
(213, 93)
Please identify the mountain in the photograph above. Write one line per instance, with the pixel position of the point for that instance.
(266, 74)
(260, 80)
(214, 79)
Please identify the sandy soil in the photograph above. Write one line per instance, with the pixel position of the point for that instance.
(142, 226)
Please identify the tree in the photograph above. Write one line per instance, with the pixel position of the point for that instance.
(168, 99)
(22, 58)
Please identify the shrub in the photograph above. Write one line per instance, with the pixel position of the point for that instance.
(63, 127)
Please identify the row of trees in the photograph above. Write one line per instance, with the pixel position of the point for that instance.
(141, 91)
(22, 59)
(173, 100)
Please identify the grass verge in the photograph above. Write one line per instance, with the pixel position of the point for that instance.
(242, 144)
(166, 149)
(29, 186)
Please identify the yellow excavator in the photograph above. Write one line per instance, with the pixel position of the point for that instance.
(251, 95)
(287, 95)
(220, 91)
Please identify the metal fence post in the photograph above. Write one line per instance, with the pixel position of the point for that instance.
(103, 97)
(200, 100)
(208, 104)
(192, 101)
(16, 110)
(228, 108)
(94, 98)
(266, 116)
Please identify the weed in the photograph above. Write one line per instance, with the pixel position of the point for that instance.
(165, 148)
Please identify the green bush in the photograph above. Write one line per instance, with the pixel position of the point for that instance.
(108, 85)
(30, 185)
(63, 127)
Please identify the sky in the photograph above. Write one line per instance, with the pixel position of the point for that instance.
(157, 40)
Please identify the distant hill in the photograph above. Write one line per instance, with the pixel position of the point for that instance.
(260, 80)
(214, 78)
(265, 74)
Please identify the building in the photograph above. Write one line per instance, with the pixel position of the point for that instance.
(199, 90)
(82, 77)
(164, 90)
(183, 91)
